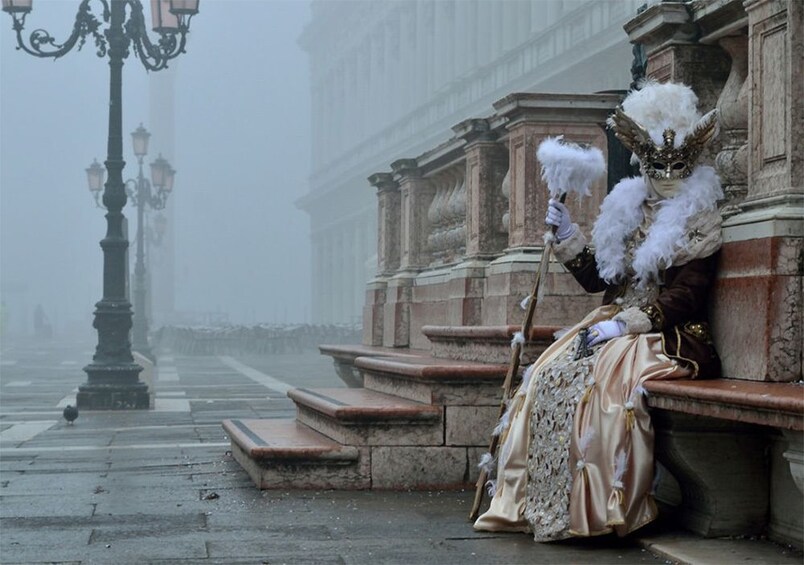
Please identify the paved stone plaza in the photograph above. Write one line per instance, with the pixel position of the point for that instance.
(159, 486)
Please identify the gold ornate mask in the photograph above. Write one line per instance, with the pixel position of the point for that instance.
(665, 161)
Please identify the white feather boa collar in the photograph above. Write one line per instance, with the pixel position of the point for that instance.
(684, 227)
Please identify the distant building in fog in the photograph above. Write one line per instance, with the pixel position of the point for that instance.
(390, 78)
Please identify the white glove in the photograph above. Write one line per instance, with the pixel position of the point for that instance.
(559, 216)
(603, 331)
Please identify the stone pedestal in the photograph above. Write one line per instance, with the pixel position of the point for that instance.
(786, 522)
(373, 312)
(713, 460)
(757, 298)
(396, 311)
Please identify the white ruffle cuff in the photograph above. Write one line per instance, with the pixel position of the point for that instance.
(635, 320)
(568, 249)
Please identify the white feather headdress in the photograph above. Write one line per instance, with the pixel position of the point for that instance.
(659, 106)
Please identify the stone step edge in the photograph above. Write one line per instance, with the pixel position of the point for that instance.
(350, 352)
(488, 333)
(436, 371)
(398, 408)
(314, 446)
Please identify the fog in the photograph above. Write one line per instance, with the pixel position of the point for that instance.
(239, 143)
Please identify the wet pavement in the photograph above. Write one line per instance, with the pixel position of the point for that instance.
(159, 486)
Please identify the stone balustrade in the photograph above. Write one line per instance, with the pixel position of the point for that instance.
(461, 225)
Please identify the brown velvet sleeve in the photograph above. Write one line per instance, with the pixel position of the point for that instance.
(584, 268)
(684, 295)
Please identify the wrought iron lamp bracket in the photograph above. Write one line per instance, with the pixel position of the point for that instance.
(85, 24)
(147, 197)
(154, 56)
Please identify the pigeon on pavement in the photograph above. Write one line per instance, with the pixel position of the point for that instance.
(70, 413)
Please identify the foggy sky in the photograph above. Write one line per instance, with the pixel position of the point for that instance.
(241, 155)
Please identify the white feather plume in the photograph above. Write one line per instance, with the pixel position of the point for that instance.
(527, 376)
(658, 106)
(568, 167)
(586, 440)
(518, 338)
(487, 463)
(503, 423)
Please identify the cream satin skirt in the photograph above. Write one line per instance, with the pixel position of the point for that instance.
(576, 451)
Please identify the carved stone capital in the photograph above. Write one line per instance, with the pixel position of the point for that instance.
(662, 24)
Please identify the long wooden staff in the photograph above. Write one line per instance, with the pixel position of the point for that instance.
(513, 365)
(566, 167)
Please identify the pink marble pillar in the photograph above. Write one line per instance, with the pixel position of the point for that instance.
(757, 312)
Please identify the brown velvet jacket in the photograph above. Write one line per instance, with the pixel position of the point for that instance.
(679, 312)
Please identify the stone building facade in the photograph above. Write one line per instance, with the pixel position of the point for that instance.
(390, 78)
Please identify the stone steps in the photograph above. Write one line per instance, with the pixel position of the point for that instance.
(359, 416)
(419, 421)
(283, 453)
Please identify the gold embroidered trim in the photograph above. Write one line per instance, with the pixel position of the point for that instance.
(690, 362)
(699, 330)
(656, 316)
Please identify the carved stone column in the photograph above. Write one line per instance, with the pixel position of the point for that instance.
(415, 197)
(732, 161)
(388, 217)
(486, 163)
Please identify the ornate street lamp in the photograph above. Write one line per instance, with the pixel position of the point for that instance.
(95, 174)
(153, 195)
(113, 376)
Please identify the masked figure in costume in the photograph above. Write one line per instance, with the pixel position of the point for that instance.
(576, 442)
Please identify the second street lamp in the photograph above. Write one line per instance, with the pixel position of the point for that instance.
(144, 194)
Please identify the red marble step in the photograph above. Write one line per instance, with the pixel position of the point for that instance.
(362, 405)
(286, 454)
(765, 403)
(435, 381)
(434, 369)
(281, 439)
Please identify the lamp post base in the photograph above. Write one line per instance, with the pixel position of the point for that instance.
(104, 393)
